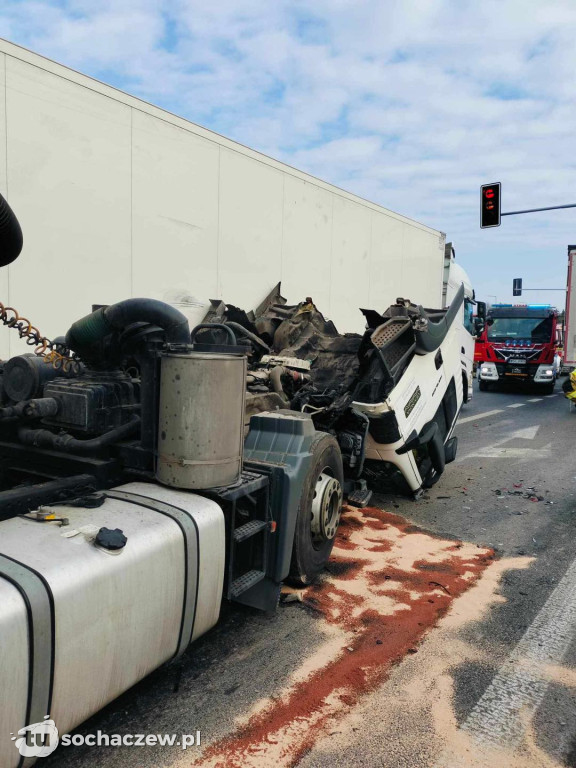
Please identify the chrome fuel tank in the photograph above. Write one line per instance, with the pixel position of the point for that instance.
(80, 624)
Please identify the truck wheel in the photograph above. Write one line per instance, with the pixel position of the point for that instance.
(483, 386)
(548, 389)
(319, 511)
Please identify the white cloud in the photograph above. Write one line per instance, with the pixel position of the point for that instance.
(410, 103)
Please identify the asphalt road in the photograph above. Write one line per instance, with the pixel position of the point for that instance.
(494, 680)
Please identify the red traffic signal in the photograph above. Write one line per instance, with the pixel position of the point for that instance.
(490, 205)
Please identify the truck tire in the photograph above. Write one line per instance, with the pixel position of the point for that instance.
(482, 385)
(319, 511)
(548, 389)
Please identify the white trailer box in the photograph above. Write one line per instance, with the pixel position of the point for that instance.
(118, 198)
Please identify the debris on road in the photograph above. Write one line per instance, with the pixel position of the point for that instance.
(291, 595)
(528, 493)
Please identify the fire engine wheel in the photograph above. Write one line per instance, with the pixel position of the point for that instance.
(319, 511)
(547, 389)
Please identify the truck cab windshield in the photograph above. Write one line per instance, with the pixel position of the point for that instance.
(535, 329)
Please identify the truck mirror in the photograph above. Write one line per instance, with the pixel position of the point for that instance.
(10, 234)
(481, 310)
(479, 325)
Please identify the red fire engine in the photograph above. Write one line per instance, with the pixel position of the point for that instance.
(518, 345)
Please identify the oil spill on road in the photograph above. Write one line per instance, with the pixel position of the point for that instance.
(390, 582)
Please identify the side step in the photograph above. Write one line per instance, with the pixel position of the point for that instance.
(249, 529)
(360, 497)
(359, 494)
(246, 581)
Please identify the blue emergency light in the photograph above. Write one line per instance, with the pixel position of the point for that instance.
(521, 306)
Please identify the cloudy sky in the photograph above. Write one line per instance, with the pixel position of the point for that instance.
(410, 103)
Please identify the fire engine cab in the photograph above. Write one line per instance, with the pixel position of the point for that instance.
(518, 345)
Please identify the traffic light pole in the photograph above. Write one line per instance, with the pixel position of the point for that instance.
(535, 210)
(490, 214)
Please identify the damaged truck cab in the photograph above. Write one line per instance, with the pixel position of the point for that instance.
(390, 397)
(412, 419)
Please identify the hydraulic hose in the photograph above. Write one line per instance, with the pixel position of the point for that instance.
(11, 239)
(43, 438)
(38, 408)
(249, 335)
(276, 379)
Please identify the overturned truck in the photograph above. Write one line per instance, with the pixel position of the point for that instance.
(148, 471)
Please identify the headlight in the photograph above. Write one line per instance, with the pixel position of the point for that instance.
(549, 372)
(485, 370)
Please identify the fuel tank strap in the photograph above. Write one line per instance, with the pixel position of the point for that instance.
(39, 602)
(190, 535)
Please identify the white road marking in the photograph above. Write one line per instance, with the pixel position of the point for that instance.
(479, 416)
(502, 714)
(498, 449)
(528, 433)
(493, 413)
(494, 452)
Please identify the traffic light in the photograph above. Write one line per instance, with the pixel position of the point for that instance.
(517, 286)
(490, 205)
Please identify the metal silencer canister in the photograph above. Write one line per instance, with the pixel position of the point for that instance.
(201, 419)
